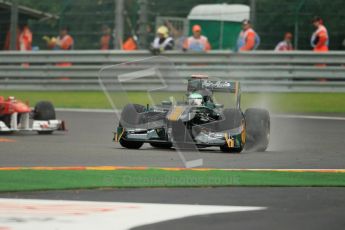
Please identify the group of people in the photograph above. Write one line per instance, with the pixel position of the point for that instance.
(319, 39)
(248, 39)
(107, 41)
(62, 42)
(163, 41)
(24, 40)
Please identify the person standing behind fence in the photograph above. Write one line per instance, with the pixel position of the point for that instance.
(286, 44)
(162, 41)
(130, 43)
(319, 39)
(248, 39)
(25, 38)
(197, 42)
(107, 40)
(64, 42)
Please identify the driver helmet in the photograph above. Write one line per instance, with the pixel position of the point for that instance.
(195, 99)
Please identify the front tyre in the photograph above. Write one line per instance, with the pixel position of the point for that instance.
(161, 145)
(130, 144)
(44, 111)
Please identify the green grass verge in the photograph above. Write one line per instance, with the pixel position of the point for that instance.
(30, 180)
(275, 102)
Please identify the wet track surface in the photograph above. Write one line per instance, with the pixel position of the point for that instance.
(295, 143)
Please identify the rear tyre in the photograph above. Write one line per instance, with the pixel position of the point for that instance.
(43, 111)
(257, 129)
(161, 145)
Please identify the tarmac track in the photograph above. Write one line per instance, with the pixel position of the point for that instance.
(295, 143)
(287, 208)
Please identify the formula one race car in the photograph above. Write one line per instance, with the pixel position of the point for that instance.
(198, 121)
(15, 116)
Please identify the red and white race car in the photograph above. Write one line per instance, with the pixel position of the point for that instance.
(15, 115)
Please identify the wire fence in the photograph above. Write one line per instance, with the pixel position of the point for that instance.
(271, 19)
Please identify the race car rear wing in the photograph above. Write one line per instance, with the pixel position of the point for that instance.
(202, 83)
(221, 86)
(195, 84)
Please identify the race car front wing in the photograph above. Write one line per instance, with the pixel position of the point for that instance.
(233, 138)
(37, 125)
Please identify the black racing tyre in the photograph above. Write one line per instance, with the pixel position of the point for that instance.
(130, 144)
(43, 111)
(257, 129)
(130, 115)
(160, 145)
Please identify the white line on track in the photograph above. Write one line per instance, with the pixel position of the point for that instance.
(293, 116)
(25, 214)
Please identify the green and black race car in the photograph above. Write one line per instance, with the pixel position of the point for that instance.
(200, 121)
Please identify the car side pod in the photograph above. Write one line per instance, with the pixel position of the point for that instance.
(39, 126)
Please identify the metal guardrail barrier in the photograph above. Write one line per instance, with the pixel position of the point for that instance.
(258, 71)
(178, 57)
